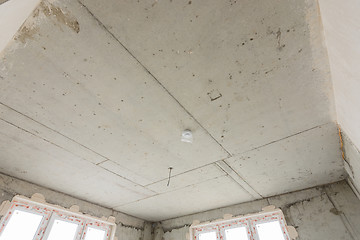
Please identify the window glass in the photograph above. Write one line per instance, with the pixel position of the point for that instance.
(270, 231)
(62, 230)
(207, 236)
(94, 234)
(22, 225)
(239, 233)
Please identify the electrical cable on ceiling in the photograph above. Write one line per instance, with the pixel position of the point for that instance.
(170, 168)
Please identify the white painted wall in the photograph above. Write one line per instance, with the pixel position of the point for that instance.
(341, 20)
(13, 14)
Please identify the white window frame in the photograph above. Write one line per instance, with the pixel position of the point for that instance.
(50, 213)
(234, 224)
(270, 217)
(58, 215)
(22, 206)
(207, 229)
(248, 221)
(97, 225)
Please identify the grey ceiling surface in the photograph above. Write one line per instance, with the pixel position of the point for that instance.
(95, 94)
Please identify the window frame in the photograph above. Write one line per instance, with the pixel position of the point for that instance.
(269, 218)
(207, 229)
(58, 215)
(249, 221)
(30, 208)
(235, 224)
(52, 212)
(96, 225)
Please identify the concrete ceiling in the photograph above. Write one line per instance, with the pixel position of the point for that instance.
(95, 94)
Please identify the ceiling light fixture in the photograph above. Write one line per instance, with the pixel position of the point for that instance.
(187, 136)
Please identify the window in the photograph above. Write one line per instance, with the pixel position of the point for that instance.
(238, 233)
(270, 231)
(63, 230)
(29, 220)
(262, 226)
(207, 236)
(94, 234)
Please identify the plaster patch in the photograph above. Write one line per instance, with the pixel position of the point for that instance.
(111, 219)
(38, 197)
(292, 232)
(195, 222)
(74, 208)
(228, 216)
(269, 208)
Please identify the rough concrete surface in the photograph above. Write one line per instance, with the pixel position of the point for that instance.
(328, 212)
(94, 97)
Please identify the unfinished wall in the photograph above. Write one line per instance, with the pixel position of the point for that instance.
(341, 21)
(329, 212)
(128, 227)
